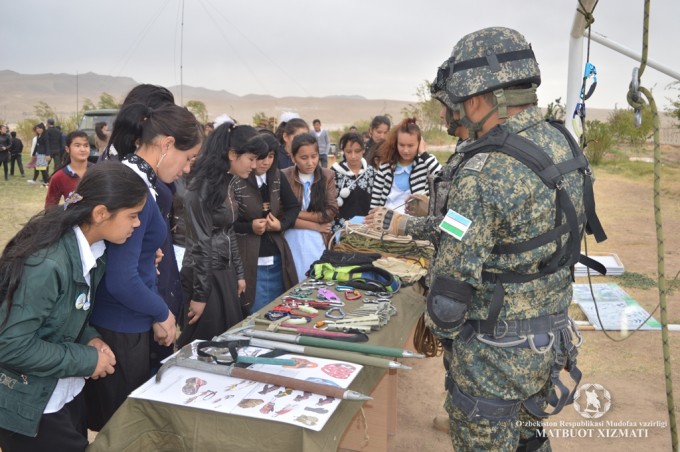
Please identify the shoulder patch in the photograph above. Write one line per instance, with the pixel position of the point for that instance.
(476, 162)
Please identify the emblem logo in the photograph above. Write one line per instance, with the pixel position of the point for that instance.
(81, 300)
(592, 401)
(476, 162)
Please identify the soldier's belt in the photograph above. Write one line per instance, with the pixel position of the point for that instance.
(519, 327)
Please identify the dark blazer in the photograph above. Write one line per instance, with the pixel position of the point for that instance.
(285, 207)
(54, 140)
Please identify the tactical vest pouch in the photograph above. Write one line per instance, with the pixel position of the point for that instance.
(439, 188)
(448, 301)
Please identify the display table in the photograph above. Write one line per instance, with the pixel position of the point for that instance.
(141, 425)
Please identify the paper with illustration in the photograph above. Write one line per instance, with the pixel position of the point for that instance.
(207, 391)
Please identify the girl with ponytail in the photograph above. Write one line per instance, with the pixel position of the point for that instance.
(212, 271)
(167, 139)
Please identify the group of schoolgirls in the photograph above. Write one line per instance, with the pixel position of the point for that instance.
(85, 286)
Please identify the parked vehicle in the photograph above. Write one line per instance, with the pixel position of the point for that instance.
(88, 122)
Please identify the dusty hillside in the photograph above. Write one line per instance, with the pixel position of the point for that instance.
(20, 92)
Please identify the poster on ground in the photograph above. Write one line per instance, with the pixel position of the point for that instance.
(617, 310)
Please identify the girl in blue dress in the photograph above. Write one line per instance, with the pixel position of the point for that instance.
(314, 188)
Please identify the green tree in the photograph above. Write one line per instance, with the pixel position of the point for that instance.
(362, 126)
(43, 111)
(622, 124)
(600, 141)
(88, 105)
(674, 110)
(260, 118)
(199, 110)
(426, 110)
(70, 123)
(555, 110)
(25, 132)
(106, 100)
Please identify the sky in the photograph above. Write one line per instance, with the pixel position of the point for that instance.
(376, 49)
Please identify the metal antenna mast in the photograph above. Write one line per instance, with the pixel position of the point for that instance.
(181, 59)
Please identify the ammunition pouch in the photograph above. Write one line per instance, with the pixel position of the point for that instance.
(448, 301)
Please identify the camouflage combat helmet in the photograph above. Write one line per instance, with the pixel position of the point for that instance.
(438, 86)
(490, 59)
(438, 91)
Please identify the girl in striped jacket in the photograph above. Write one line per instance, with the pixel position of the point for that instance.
(402, 171)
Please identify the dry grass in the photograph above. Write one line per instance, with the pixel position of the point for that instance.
(21, 202)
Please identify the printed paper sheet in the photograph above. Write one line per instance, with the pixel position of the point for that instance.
(188, 387)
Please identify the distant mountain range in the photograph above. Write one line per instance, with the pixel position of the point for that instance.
(20, 92)
(63, 92)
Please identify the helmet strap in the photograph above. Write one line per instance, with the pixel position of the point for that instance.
(453, 123)
(501, 103)
(474, 127)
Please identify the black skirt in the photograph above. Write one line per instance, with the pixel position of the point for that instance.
(222, 311)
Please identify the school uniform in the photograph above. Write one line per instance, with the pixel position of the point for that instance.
(44, 355)
(283, 158)
(267, 259)
(212, 263)
(356, 188)
(307, 245)
(62, 183)
(128, 305)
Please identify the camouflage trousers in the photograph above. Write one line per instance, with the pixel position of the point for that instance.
(490, 372)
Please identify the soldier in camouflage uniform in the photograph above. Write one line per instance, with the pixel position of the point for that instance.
(501, 280)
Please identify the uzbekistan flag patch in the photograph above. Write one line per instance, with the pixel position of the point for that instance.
(455, 224)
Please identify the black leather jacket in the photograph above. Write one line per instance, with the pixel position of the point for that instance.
(178, 219)
(5, 142)
(210, 239)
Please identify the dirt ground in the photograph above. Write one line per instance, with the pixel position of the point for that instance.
(632, 370)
